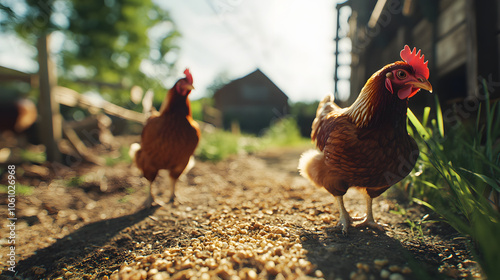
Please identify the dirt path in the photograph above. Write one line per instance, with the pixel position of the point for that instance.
(247, 217)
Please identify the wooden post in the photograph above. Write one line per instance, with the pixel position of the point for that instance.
(50, 118)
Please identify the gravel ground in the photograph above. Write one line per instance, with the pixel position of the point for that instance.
(247, 217)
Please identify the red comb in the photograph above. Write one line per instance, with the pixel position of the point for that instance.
(415, 60)
(189, 77)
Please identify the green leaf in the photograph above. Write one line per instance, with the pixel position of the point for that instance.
(421, 202)
(489, 120)
(420, 129)
(490, 181)
(425, 118)
(439, 116)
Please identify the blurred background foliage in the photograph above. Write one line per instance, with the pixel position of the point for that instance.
(103, 45)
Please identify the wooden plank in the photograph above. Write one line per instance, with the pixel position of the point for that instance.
(451, 51)
(452, 16)
(422, 37)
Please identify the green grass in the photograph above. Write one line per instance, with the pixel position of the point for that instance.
(219, 144)
(456, 172)
(75, 181)
(20, 189)
(123, 157)
(31, 156)
(415, 225)
(284, 132)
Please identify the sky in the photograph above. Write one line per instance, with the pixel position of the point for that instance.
(289, 41)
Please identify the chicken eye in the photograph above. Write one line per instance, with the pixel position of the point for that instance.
(401, 74)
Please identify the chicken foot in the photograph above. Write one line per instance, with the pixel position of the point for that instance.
(367, 219)
(148, 203)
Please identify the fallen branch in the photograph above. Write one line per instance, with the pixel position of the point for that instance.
(72, 98)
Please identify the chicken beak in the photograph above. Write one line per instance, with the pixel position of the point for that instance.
(422, 85)
(189, 87)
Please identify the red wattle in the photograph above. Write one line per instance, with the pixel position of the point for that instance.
(405, 92)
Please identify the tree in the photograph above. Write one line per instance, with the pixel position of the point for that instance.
(105, 42)
(219, 81)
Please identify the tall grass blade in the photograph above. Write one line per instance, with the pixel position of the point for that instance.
(416, 123)
(489, 119)
(425, 117)
(490, 181)
(439, 116)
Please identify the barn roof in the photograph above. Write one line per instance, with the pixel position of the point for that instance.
(256, 75)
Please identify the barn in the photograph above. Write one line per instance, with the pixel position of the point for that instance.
(252, 101)
(460, 39)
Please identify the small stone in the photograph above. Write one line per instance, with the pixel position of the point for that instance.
(362, 266)
(396, 276)
(380, 263)
(406, 270)
(384, 274)
(252, 275)
(271, 268)
(394, 268)
(358, 276)
(152, 272)
(38, 270)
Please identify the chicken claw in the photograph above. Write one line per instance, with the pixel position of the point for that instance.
(150, 202)
(362, 218)
(367, 219)
(343, 225)
(372, 224)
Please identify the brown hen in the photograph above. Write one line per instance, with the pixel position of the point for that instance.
(367, 145)
(169, 138)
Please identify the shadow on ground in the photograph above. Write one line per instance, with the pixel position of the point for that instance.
(351, 256)
(83, 247)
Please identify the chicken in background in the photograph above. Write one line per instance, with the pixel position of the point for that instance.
(168, 138)
(367, 145)
(17, 115)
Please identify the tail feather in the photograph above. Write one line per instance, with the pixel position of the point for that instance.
(190, 165)
(134, 148)
(326, 106)
(312, 166)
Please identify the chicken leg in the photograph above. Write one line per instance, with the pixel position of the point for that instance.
(172, 191)
(149, 201)
(367, 220)
(345, 220)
